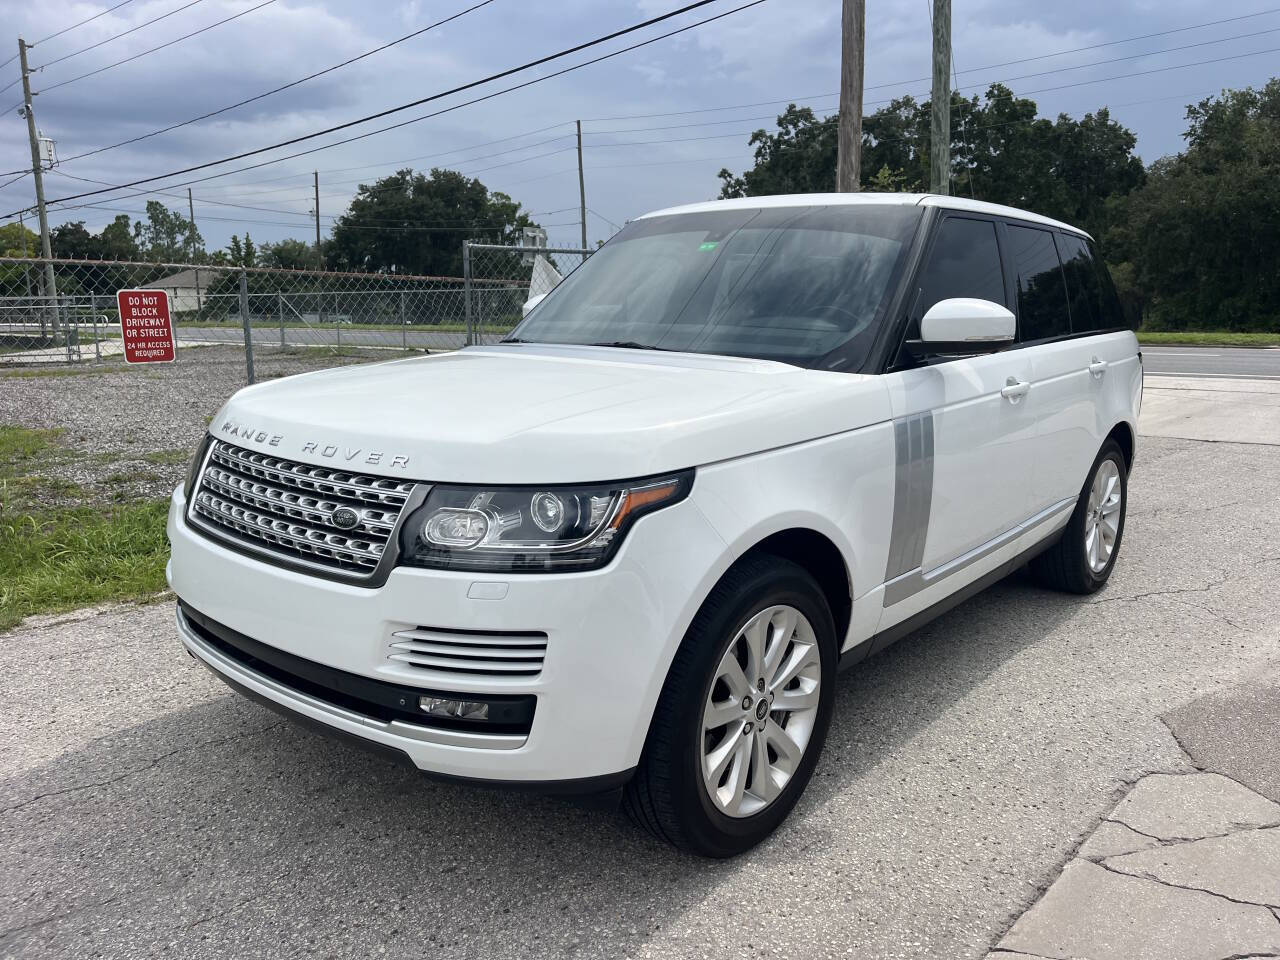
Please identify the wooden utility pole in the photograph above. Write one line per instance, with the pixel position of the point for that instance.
(940, 126)
(191, 234)
(582, 188)
(853, 32)
(37, 172)
(319, 256)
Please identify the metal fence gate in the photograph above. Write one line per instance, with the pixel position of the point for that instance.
(64, 311)
(501, 280)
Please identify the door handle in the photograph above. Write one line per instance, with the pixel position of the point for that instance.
(1014, 389)
(1098, 368)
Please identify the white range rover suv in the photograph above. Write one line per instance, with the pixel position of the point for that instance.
(746, 444)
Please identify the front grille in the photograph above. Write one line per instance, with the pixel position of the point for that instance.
(285, 509)
(479, 653)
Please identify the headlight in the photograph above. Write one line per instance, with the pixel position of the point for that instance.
(193, 468)
(530, 529)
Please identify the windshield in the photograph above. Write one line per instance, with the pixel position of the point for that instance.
(791, 284)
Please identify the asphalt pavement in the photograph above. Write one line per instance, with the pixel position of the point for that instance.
(146, 810)
(1212, 362)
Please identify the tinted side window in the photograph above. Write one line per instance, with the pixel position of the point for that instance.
(964, 262)
(1083, 291)
(1110, 311)
(1042, 296)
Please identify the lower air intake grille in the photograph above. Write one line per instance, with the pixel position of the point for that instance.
(479, 653)
(286, 509)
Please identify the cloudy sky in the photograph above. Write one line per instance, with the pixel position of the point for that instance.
(652, 136)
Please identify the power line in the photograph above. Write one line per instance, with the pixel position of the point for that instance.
(170, 43)
(990, 66)
(405, 228)
(392, 163)
(296, 213)
(411, 104)
(79, 24)
(268, 93)
(823, 96)
(505, 73)
(123, 33)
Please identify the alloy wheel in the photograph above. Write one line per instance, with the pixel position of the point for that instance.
(1102, 520)
(760, 711)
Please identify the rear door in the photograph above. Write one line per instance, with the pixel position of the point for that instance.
(1069, 373)
(964, 432)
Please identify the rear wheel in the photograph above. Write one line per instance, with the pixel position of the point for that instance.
(1082, 560)
(743, 714)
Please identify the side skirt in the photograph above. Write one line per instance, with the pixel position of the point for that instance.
(895, 633)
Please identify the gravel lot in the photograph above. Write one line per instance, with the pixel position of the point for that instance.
(145, 810)
(114, 415)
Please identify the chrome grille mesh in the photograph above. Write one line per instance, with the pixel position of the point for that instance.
(280, 507)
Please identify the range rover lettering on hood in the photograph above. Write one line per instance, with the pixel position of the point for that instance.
(329, 451)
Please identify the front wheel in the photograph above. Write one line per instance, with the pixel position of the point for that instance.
(1082, 560)
(743, 715)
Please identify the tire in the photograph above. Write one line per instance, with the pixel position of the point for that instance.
(669, 795)
(1067, 565)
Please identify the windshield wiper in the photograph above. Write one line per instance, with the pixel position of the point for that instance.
(627, 345)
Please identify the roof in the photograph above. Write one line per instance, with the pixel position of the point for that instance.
(183, 278)
(854, 199)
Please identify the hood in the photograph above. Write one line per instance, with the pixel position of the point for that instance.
(545, 414)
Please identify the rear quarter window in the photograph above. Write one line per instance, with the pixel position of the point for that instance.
(1112, 316)
(1042, 292)
(1084, 287)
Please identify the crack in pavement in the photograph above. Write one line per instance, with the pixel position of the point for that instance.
(227, 912)
(152, 764)
(1179, 886)
(1178, 591)
(1213, 613)
(10, 932)
(1023, 953)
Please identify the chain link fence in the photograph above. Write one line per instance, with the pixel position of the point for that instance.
(65, 311)
(506, 280)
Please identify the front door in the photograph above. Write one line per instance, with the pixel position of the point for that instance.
(964, 432)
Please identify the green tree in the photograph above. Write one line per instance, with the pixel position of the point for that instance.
(116, 241)
(11, 240)
(1196, 245)
(167, 236)
(411, 223)
(289, 254)
(1001, 151)
(71, 241)
(799, 158)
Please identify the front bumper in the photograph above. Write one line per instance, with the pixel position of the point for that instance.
(610, 637)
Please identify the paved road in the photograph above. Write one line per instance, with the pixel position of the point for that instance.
(145, 810)
(1250, 362)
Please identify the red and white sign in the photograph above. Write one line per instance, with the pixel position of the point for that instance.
(145, 326)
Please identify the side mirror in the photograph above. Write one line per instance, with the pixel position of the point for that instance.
(531, 303)
(964, 325)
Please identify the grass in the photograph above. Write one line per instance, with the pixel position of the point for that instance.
(61, 559)
(64, 546)
(1208, 339)
(20, 445)
(167, 457)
